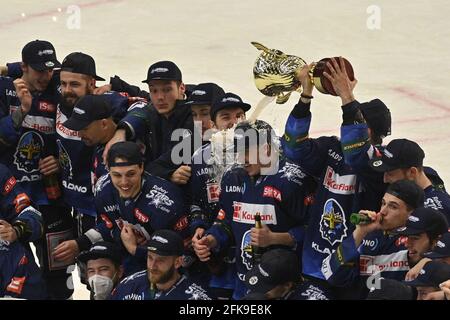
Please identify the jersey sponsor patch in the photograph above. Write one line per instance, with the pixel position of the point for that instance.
(333, 226)
(272, 192)
(213, 192)
(39, 123)
(245, 213)
(16, 285)
(221, 215)
(9, 185)
(338, 184)
(46, 106)
(107, 221)
(181, 224)
(63, 131)
(397, 261)
(140, 216)
(21, 202)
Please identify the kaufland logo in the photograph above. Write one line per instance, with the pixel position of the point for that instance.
(245, 213)
(339, 184)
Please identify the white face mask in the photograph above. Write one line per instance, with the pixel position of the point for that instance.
(101, 285)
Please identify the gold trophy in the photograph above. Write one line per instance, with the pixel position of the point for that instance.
(274, 73)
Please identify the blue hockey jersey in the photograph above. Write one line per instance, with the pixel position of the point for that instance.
(76, 158)
(380, 255)
(159, 205)
(23, 147)
(280, 200)
(335, 198)
(137, 287)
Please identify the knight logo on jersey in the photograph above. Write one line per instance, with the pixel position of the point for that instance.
(332, 223)
(28, 152)
(140, 216)
(213, 191)
(64, 159)
(9, 185)
(246, 250)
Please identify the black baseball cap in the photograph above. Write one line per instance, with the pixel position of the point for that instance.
(101, 249)
(163, 70)
(424, 220)
(78, 62)
(390, 289)
(408, 191)
(432, 274)
(398, 154)
(40, 55)
(228, 100)
(441, 249)
(166, 243)
(130, 151)
(205, 94)
(87, 110)
(377, 116)
(277, 266)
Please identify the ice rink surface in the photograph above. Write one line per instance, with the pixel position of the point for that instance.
(399, 51)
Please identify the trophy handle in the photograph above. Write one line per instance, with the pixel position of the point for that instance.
(259, 46)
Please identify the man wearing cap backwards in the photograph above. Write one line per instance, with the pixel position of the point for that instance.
(162, 279)
(131, 205)
(399, 234)
(428, 282)
(104, 268)
(403, 159)
(20, 223)
(166, 113)
(278, 276)
(28, 144)
(78, 78)
(262, 183)
(341, 189)
(224, 112)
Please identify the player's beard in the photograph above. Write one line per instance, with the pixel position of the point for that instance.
(69, 99)
(162, 278)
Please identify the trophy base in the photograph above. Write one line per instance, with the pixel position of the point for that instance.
(321, 82)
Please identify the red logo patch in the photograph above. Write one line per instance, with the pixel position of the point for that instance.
(401, 241)
(181, 224)
(45, 106)
(9, 185)
(213, 190)
(21, 202)
(140, 216)
(221, 215)
(271, 192)
(23, 261)
(108, 222)
(16, 285)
